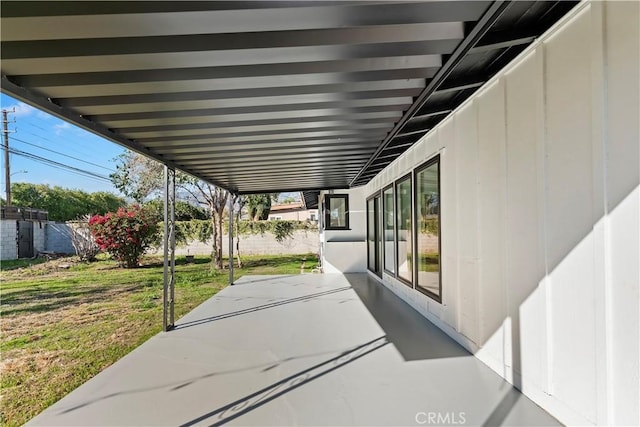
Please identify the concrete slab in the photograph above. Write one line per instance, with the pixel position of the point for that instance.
(298, 350)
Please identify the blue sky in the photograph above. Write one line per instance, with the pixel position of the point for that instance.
(41, 134)
(37, 132)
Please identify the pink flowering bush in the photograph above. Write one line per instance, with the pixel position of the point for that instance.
(125, 234)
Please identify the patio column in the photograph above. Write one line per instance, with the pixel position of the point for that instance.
(169, 248)
(231, 239)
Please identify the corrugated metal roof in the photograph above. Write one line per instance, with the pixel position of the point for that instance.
(262, 96)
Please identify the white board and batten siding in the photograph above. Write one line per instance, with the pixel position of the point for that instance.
(345, 251)
(540, 206)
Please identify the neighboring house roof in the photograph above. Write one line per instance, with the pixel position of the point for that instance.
(289, 207)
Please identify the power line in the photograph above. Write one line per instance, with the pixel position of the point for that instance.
(62, 154)
(75, 146)
(64, 169)
(59, 165)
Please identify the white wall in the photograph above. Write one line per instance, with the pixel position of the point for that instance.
(346, 250)
(540, 210)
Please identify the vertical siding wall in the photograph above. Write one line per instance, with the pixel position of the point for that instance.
(345, 251)
(541, 218)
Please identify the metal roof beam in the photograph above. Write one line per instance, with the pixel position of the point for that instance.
(275, 111)
(312, 146)
(227, 163)
(198, 141)
(493, 13)
(150, 61)
(430, 114)
(458, 85)
(242, 93)
(270, 125)
(237, 20)
(208, 84)
(289, 174)
(283, 128)
(222, 121)
(307, 187)
(309, 153)
(289, 181)
(503, 40)
(219, 42)
(353, 167)
(357, 98)
(231, 71)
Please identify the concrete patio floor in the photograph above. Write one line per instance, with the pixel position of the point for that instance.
(298, 350)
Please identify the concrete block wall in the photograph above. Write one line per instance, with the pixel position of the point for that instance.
(8, 235)
(256, 244)
(39, 237)
(59, 238)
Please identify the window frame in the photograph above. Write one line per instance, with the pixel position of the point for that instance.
(409, 177)
(376, 231)
(432, 161)
(393, 230)
(327, 211)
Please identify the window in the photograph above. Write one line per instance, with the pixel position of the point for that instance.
(428, 229)
(388, 226)
(404, 230)
(336, 212)
(312, 217)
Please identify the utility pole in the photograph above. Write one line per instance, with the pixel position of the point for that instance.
(7, 172)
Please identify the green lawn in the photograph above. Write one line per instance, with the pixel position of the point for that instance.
(61, 326)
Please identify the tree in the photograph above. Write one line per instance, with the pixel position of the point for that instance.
(140, 177)
(215, 198)
(137, 176)
(63, 204)
(259, 205)
(185, 211)
(288, 200)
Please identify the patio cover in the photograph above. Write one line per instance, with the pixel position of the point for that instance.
(261, 96)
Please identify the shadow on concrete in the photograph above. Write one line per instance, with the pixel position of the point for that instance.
(237, 408)
(175, 386)
(249, 280)
(411, 333)
(302, 298)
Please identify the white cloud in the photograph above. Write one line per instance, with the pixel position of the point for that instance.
(43, 115)
(60, 127)
(21, 109)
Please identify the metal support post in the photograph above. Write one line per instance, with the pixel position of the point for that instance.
(169, 248)
(230, 239)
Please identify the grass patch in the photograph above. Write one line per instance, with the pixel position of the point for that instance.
(12, 264)
(64, 321)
